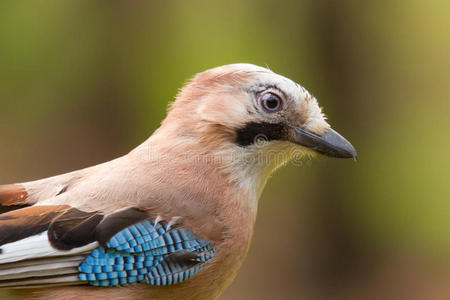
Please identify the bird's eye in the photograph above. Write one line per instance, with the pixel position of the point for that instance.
(270, 102)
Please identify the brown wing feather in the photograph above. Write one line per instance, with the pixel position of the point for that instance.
(67, 227)
(25, 222)
(13, 194)
(115, 222)
(74, 228)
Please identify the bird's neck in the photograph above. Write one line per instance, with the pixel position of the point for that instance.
(245, 169)
(250, 167)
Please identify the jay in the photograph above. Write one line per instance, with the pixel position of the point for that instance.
(172, 219)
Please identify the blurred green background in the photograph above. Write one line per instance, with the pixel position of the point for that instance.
(82, 82)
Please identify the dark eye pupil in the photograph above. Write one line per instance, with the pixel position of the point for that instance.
(271, 102)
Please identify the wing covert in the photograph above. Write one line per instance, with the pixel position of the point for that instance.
(147, 251)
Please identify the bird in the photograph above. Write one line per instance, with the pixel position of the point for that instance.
(174, 217)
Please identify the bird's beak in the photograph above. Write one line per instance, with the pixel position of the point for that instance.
(330, 143)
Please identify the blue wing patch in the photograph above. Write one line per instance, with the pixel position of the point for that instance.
(148, 252)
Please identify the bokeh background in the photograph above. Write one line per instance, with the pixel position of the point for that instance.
(82, 82)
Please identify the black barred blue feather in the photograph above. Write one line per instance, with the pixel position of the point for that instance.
(146, 252)
(169, 271)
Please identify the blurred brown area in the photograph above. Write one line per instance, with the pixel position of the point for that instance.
(82, 82)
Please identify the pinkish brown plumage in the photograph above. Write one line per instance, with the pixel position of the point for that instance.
(202, 171)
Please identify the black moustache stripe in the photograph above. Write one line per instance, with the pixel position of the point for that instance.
(248, 134)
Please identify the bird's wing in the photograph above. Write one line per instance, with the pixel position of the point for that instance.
(61, 245)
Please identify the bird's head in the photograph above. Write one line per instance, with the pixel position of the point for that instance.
(249, 111)
(242, 105)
